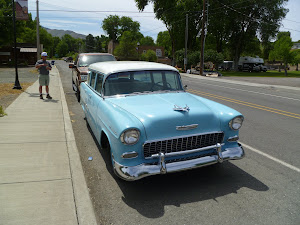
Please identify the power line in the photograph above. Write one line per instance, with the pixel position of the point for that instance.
(92, 11)
(292, 21)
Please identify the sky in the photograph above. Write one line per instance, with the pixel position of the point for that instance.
(91, 22)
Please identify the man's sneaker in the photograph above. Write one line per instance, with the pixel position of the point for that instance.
(41, 96)
(48, 96)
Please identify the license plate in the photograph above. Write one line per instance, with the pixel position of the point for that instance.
(83, 77)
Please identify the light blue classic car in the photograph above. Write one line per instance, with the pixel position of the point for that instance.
(142, 114)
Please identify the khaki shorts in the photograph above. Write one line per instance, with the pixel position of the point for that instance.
(44, 80)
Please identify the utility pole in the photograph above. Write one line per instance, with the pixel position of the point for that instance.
(38, 50)
(202, 39)
(17, 83)
(186, 40)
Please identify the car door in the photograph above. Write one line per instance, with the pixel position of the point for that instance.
(94, 101)
(89, 92)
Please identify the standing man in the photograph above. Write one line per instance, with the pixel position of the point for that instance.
(44, 66)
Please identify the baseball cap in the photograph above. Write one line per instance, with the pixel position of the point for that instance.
(44, 54)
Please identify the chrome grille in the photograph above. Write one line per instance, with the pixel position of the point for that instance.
(182, 144)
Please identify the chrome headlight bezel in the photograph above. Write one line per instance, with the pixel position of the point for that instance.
(130, 133)
(236, 123)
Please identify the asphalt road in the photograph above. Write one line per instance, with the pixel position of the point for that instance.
(262, 188)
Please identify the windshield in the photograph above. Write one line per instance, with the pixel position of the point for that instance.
(86, 60)
(142, 82)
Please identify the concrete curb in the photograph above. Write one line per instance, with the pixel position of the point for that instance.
(83, 203)
(239, 82)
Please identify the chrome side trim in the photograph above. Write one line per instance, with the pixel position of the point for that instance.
(131, 173)
(184, 152)
(187, 127)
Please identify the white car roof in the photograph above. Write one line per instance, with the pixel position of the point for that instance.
(122, 66)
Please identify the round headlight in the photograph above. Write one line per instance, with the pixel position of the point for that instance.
(130, 137)
(236, 123)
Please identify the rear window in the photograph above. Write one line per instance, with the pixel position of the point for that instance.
(86, 60)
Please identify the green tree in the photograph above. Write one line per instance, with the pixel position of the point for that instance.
(127, 48)
(172, 13)
(296, 58)
(163, 39)
(90, 43)
(62, 49)
(46, 39)
(71, 42)
(237, 24)
(111, 26)
(213, 56)
(98, 44)
(148, 41)
(56, 41)
(127, 24)
(5, 22)
(115, 26)
(149, 56)
(104, 41)
(282, 50)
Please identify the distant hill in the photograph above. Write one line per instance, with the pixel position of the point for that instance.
(60, 33)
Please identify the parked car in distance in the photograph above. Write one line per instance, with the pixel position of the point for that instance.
(142, 115)
(69, 59)
(80, 67)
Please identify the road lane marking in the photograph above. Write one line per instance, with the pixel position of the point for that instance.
(255, 92)
(218, 96)
(271, 157)
(252, 105)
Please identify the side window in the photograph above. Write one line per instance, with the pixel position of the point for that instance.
(99, 83)
(157, 77)
(92, 76)
(172, 80)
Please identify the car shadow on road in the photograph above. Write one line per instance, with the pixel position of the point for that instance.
(186, 187)
(150, 195)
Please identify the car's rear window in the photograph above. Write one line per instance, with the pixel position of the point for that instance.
(142, 82)
(86, 60)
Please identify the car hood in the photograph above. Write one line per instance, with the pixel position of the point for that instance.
(156, 112)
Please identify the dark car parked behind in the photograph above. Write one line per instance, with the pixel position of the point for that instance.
(80, 67)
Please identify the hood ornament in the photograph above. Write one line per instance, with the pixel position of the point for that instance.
(178, 108)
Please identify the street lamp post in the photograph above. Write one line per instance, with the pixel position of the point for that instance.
(17, 83)
(138, 45)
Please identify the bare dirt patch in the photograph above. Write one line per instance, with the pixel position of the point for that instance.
(8, 94)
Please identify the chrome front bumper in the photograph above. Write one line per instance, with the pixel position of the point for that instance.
(131, 173)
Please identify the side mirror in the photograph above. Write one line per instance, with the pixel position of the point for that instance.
(71, 65)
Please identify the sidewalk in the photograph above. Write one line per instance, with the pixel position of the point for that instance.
(41, 177)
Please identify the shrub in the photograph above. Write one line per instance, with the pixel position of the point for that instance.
(149, 56)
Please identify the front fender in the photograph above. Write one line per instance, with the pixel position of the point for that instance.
(113, 121)
(225, 115)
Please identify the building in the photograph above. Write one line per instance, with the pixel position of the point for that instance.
(159, 50)
(27, 54)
